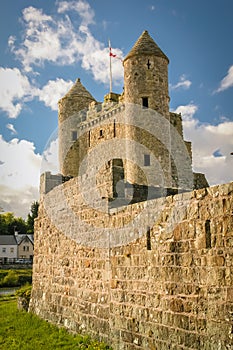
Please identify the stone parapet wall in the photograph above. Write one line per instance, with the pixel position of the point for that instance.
(167, 283)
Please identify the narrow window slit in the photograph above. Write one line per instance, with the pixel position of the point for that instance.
(89, 138)
(114, 128)
(207, 234)
(74, 135)
(146, 159)
(148, 239)
(224, 204)
(148, 64)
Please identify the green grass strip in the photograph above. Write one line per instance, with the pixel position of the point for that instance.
(20, 330)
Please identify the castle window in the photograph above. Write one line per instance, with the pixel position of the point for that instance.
(89, 138)
(148, 64)
(148, 239)
(145, 103)
(74, 135)
(146, 160)
(114, 128)
(101, 133)
(207, 234)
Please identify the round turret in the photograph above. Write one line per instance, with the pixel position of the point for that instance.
(146, 75)
(76, 100)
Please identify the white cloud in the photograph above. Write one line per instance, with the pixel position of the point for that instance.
(19, 175)
(187, 111)
(227, 81)
(18, 201)
(56, 40)
(21, 164)
(11, 128)
(81, 7)
(53, 91)
(211, 146)
(50, 160)
(14, 88)
(41, 39)
(20, 169)
(32, 14)
(183, 83)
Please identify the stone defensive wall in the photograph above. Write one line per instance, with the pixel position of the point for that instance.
(151, 275)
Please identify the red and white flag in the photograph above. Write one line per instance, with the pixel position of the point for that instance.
(113, 54)
(110, 63)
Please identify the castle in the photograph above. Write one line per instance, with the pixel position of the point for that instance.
(139, 115)
(131, 246)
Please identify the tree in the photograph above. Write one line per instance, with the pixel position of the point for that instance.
(31, 217)
(17, 225)
(10, 224)
(3, 225)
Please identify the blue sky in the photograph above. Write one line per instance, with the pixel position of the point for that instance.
(46, 45)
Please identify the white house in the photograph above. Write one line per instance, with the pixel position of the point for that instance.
(8, 248)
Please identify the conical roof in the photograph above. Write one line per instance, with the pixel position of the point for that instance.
(78, 90)
(146, 45)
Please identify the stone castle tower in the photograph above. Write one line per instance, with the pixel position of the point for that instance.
(146, 76)
(151, 137)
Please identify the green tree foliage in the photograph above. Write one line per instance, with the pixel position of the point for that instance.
(31, 217)
(3, 225)
(17, 225)
(9, 224)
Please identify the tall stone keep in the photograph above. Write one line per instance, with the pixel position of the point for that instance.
(146, 85)
(146, 75)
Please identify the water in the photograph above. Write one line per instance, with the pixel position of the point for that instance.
(6, 291)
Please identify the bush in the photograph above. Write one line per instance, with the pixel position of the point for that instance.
(15, 278)
(3, 273)
(25, 292)
(11, 279)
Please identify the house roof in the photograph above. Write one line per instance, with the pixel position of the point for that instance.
(7, 240)
(20, 238)
(145, 45)
(15, 240)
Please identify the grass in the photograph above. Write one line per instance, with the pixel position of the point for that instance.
(20, 330)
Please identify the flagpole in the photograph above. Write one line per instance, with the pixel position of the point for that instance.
(110, 65)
